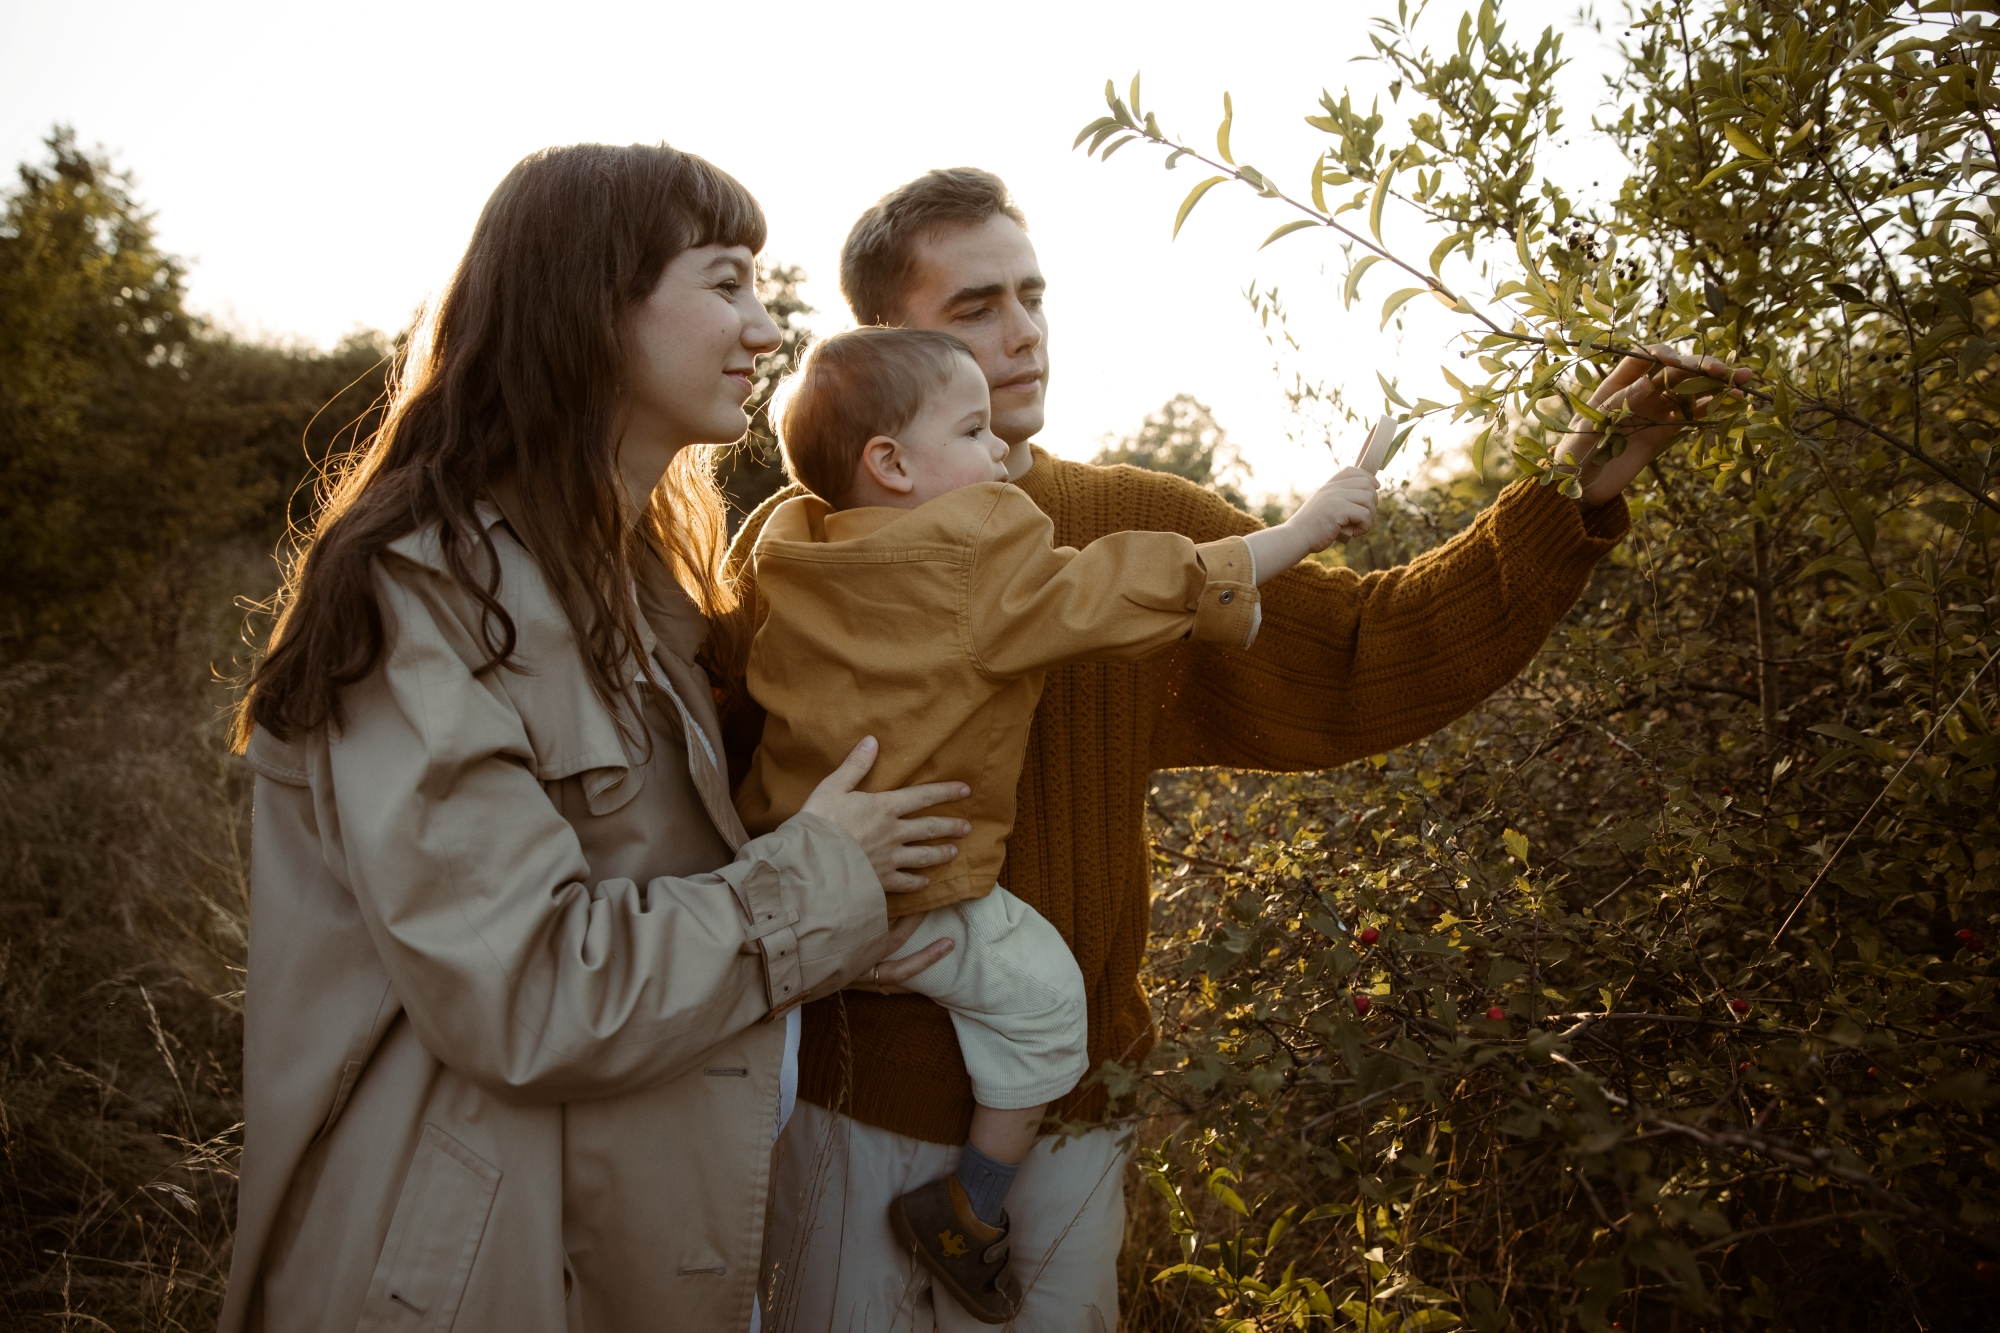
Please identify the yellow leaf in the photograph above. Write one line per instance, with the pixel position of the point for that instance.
(1740, 140)
(1194, 197)
(1289, 228)
(1517, 845)
(1396, 302)
(1222, 132)
(1353, 286)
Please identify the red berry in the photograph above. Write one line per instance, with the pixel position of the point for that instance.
(1740, 1006)
(1497, 1014)
(1984, 1272)
(1361, 1003)
(1369, 935)
(1873, 1071)
(1743, 1066)
(1727, 790)
(1964, 936)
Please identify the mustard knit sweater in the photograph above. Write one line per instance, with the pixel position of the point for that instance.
(1344, 666)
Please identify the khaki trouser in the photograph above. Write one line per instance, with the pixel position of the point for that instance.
(832, 1264)
(1015, 997)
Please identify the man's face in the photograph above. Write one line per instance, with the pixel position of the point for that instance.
(982, 283)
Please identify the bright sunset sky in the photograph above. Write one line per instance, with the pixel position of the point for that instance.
(321, 166)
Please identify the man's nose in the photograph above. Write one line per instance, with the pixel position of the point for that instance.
(1023, 334)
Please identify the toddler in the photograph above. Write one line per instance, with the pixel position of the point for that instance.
(918, 597)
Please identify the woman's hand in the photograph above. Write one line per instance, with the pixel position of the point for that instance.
(887, 978)
(876, 820)
(1656, 415)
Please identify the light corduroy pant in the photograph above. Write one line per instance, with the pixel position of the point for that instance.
(1015, 997)
(832, 1264)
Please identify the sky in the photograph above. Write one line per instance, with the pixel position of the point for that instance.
(321, 167)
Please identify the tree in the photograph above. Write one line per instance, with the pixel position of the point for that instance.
(1659, 989)
(130, 433)
(1184, 438)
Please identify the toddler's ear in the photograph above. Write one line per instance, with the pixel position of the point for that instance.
(883, 463)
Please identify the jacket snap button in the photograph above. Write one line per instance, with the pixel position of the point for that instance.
(1228, 597)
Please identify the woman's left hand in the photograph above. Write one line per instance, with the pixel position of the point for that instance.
(887, 978)
(1656, 415)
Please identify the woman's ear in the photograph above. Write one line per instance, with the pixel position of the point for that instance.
(883, 463)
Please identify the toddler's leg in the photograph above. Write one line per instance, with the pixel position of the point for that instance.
(1016, 999)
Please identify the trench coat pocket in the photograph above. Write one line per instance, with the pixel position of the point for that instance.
(433, 1238)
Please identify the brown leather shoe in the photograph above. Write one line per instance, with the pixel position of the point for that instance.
(964, 1255)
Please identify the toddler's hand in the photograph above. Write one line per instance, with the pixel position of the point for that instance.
(1342, 509)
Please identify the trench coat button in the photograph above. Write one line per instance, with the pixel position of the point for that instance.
(1228, 597)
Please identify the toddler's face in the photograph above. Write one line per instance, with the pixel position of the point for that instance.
(951, 443)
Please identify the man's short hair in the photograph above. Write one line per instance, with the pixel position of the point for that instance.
(880, 257)
(853, 387)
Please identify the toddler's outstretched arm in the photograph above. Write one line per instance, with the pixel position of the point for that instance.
(1343, 508)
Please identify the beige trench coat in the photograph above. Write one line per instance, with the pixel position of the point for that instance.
(508, 1061)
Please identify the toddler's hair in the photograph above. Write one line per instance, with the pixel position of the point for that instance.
(853, 387)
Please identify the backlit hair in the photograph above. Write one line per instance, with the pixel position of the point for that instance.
(880, 257)
(853, 387)
(514, 373)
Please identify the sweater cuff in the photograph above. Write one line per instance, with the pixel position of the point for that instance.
(1227, 611)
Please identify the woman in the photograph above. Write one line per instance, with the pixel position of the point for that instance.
(510, 1059)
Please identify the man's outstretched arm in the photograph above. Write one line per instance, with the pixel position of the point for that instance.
(1350, 665)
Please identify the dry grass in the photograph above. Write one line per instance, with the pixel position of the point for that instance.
(123, 854)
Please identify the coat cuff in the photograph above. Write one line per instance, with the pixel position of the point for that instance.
(815, 909)
(1228, 610)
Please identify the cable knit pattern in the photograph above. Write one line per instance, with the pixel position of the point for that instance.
(1345, 666)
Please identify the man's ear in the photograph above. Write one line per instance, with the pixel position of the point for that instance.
(882, 462)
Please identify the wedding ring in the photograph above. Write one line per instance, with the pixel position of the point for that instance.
(875, 974)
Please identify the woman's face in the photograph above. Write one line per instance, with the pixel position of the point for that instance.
(691, 356)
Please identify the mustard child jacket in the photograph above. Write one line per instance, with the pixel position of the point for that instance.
(931, 629)
(506, 1057)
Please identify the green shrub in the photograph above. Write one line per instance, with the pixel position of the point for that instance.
(1722, 862)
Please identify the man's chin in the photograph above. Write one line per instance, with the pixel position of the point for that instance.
(1020, 426)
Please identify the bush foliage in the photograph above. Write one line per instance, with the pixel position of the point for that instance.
(1656, 993)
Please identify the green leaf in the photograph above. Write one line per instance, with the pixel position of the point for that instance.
(1396, 302)
(1913, 187)
(1353, 285)
(1730, 167)
(1389, 392)
(1319, 183)
(1289, 228)
(1101, 123)
(1446, 246)
(1381, 197)
(1222, 132)
(1740, 140)
(1517, 845)
(1194, 197)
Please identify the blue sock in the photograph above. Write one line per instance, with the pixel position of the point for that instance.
(986, 1183)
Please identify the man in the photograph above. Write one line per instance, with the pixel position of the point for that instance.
(1343, 666)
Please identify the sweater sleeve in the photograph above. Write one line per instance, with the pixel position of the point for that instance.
(1349, 665)
(1032, 605)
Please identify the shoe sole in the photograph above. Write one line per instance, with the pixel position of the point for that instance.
(899, 1222)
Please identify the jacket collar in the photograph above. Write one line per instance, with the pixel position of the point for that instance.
(668, 617)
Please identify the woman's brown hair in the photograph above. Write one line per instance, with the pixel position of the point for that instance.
(514, 373)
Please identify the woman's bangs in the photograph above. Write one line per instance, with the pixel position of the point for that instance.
(724, 213)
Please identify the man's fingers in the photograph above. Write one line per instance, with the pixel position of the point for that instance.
(903, 881)
(906, 799)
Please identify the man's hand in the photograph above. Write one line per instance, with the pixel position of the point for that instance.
(1656, 416)
(1341, 509)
